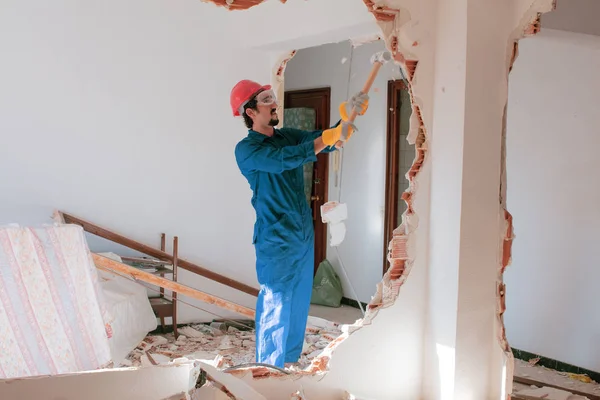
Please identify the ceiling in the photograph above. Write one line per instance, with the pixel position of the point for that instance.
(575, 16)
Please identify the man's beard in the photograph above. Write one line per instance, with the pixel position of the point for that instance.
(274, 119)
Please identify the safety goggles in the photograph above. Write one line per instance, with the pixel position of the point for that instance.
(266, 98)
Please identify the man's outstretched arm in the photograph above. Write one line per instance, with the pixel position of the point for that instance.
(252, 156)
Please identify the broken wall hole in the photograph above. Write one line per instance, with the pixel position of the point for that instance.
(398, 255)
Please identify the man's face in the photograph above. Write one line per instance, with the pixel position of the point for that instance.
(267, 115)
(266, 106)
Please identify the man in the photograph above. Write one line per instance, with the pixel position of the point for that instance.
(271, 160)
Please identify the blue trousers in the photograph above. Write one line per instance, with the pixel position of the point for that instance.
(283, 304)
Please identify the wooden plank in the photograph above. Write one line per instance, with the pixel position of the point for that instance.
(112, 265)
(156, 253)
(147, 261)
(174, 297)
(529, 381)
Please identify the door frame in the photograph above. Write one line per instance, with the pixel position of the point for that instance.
(318, 99)
(392, 165)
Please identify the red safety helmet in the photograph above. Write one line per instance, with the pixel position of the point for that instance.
(242, 92)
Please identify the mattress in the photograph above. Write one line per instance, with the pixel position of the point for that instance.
(129, 308)
(53, 318)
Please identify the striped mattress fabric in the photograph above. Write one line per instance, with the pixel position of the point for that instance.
(52, 319)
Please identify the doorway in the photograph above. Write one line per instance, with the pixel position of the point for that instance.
(399, 157)
(309, 110)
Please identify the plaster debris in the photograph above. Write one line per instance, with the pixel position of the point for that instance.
(190, 332)
(344, 59)
(230, 385)
(534, 361)
(227, 349)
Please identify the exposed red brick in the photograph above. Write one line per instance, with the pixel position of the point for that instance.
(515, 53)
(508, 240)
(535, 26)
(319, 364)
(415, 43)
(283, 64)
(417, 164)
(398, 247)
(236, 5)
(381, 13)
(407, 197)
(221, 387)
(397, 269)
(411, 66)
(500, 292)
(263, 373)
(394, 44)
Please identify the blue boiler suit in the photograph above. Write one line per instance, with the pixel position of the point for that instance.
(283, 238)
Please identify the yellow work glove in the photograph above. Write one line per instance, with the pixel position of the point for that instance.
(342, 132)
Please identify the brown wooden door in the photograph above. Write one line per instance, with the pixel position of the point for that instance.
(398, 158)
(319, 100)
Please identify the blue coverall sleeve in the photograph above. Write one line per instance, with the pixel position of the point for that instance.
(301, 136)
(255, 156)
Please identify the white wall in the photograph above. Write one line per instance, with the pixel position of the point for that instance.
(363, 181)
(553, 142)
(118, 112)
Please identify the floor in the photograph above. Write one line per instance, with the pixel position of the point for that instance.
(547, 378)
(342, 315)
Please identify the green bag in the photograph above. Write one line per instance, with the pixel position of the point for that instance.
(327, 287)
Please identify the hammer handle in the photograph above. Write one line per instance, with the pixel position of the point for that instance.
(367, 86)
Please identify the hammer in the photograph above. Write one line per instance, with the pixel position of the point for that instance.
(378, 59)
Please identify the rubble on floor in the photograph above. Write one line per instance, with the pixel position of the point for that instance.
(548, 393)
(534, 381)
(224, 342)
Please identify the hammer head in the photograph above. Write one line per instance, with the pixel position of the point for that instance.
(381, 57)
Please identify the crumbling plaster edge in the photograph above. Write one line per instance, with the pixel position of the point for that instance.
(528, 25)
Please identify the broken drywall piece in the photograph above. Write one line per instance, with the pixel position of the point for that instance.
(548, 393)
(209, 392)
(153, 383)
(235, 386)
(190, 332)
